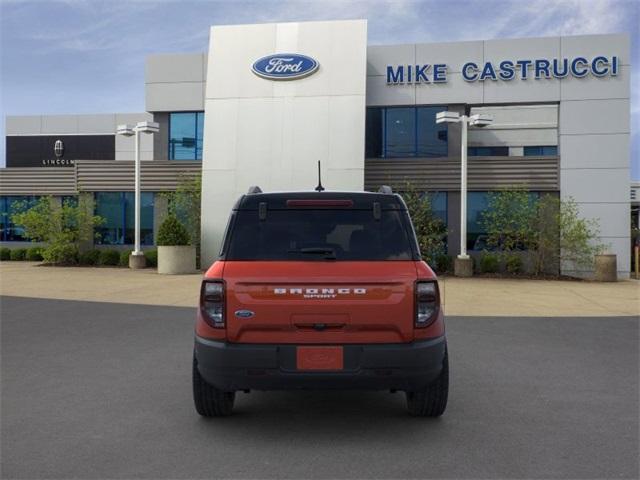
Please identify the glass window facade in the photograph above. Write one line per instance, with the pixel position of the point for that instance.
(10, 232)
(405, 132)
(488, 151)
(185, 135)
(117, 209)
(439, 205)
(541, 151)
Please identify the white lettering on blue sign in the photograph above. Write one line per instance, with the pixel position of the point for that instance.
(506, 70)
(285, 66)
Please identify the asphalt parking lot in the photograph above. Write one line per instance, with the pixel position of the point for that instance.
(102, 390)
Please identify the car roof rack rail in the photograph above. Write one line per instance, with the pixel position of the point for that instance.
(385, 189)
(254, 189)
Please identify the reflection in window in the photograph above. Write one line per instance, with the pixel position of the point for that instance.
(488, 151)
(117, 209)
(541, 151)
(10, 232)
(185, 135)
(405, 132)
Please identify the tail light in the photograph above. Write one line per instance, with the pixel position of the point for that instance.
(427, 303)
(212, 302)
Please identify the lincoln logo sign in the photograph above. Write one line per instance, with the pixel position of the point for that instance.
(58, 148)
(506, 70)
(285, 66)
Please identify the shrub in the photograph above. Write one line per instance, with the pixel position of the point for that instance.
(489, 263)
(109, 257)
(60, 254)
(443, 263)
(34, 254)
(5, 253)
(172, 232)
(18, 254)
(90, 257)
(513, 263)
(430, 229)
(61, 227)
(152, 258)
(124, 258)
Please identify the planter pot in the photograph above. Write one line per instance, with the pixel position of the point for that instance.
(176, 260)
(606, 268)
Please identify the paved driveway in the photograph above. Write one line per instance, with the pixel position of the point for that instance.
(102, 390)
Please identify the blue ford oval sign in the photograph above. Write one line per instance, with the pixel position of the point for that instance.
(244, 313)
(285, 66)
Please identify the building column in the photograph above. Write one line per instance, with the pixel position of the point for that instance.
(453, 223)
(160, 212)
(86, 199)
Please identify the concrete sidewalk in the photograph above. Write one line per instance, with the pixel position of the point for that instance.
(468, 297)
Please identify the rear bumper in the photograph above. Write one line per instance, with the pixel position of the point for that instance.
(409, 366)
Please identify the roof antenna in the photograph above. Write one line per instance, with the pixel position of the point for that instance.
(319, 188)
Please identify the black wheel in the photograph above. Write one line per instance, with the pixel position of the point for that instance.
(209, 401)
(431, 402)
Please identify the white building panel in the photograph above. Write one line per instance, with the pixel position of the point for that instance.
(526, 137)
(595, 88)
(522, 91)
(594, 116)
(596, 185)
(23, 125)
(175, 97)
(380, 56)
(455, 90)
(595, 151)
(100, 124)
(381, 94)
(175, 68)
(590, 46)
(59, 124)
(521, 49)
(612, 219)
(272, 133)
(453, 54)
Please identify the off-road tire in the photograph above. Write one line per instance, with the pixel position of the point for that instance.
(209, 401)
(431, 402)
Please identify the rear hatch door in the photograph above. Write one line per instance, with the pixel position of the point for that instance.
(319, 302)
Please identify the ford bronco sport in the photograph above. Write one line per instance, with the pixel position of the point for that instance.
(320, 290)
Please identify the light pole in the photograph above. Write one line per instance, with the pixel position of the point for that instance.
(463, 264)
(136, 259)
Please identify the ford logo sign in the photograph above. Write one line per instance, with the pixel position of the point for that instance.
(285, 66)
(244, 313)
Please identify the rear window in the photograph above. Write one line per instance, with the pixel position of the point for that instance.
(307, 234)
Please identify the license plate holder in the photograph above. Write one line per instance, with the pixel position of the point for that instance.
(319, 358)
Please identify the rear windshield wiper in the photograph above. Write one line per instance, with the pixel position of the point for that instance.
(328, 253)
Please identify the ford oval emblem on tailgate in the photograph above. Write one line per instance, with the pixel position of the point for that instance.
(244, 313)
(284, 66)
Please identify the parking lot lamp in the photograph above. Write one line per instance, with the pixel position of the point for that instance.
(463, 264)
(136, 259)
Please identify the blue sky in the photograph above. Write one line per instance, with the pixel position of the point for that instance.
(75, 56)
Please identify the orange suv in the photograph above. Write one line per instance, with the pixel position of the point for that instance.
(320, 290)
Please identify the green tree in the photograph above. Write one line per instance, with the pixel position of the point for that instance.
(185, 203)
(430, 230)
(509, 219)
(579, 237)
(61, 227)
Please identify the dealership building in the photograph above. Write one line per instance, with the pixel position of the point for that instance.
(267, 101)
